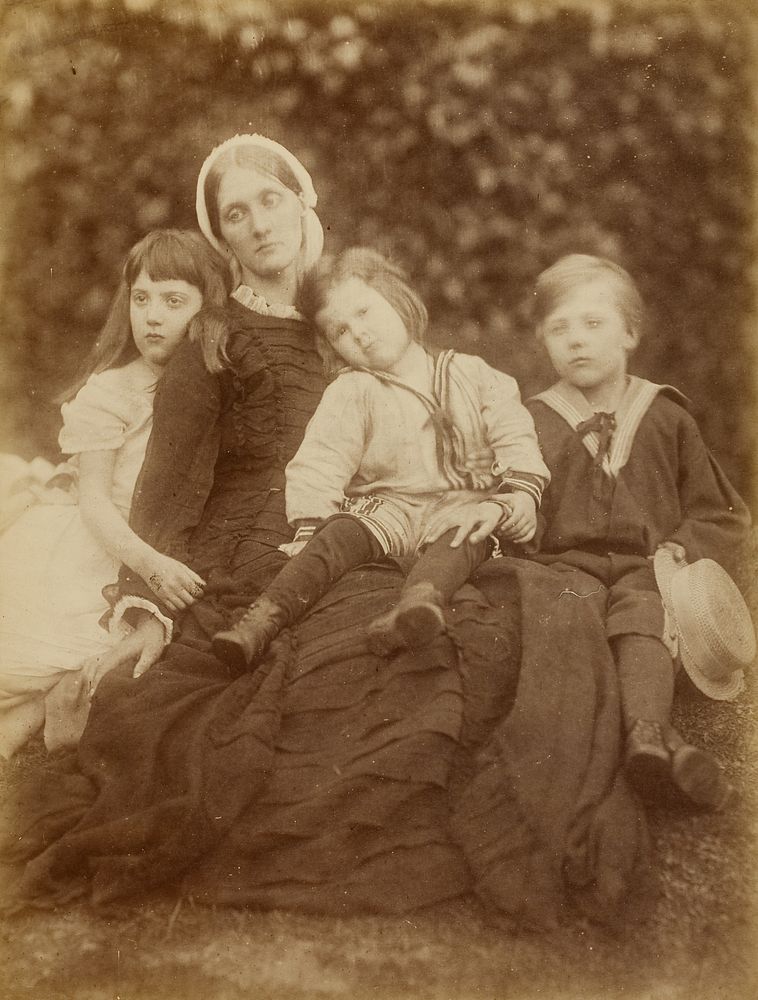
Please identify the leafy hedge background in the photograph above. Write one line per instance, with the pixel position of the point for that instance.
(475, 141)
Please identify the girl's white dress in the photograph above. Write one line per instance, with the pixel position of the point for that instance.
(52, 569)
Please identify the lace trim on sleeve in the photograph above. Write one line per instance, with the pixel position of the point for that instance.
(118, 627)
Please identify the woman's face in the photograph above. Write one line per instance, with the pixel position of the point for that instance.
(260, 221)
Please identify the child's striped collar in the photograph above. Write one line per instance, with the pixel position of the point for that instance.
(569, 402)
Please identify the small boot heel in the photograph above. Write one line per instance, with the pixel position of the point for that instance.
(243, 644)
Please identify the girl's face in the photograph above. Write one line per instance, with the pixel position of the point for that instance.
(362, 327)
(261, 221)
(159, 312)
(588, 338)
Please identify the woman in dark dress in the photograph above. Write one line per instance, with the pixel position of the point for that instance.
(238, 398)
(329, 780)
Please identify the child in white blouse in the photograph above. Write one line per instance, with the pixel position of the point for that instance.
(59, 553)
(410, 454)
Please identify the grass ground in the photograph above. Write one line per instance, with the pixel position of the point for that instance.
(690, 936)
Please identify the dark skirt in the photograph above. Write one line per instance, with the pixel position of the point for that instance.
(333, 781)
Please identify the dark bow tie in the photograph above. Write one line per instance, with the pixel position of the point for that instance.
(603, 424)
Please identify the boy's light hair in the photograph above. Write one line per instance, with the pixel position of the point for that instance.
(379, 273)
(577, 268)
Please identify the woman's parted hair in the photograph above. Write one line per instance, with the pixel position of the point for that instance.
(164, 255)
(212, 330)
(379, 273)
(576, 268)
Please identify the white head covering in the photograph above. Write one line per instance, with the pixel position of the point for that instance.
(313, 234)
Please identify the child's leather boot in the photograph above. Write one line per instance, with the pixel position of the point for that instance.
(647, 761)
(698, 775)
(662, 767)
(414, 623)
(241, 645)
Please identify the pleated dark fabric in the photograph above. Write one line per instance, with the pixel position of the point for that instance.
(211, 489)
(331, 780)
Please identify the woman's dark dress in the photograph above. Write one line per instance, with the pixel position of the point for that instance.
(329, 779)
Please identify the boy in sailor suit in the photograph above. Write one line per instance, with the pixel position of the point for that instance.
(630, 473)
(411, 454)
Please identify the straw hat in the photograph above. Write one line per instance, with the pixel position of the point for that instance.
(715, 634)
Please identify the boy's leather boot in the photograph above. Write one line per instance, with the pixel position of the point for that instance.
(647, 761)
(662, 767)
(698, 775)
(414, 623)
(241, 645)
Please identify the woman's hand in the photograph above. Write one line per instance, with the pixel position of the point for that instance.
(521, 523)
(96, 667)
(126, 650)
(473, 523)
(142, 647)
(150, 641)
(175, 584)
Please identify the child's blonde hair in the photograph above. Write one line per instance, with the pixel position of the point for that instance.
(164, 255)
(375, 270)
(578, 268)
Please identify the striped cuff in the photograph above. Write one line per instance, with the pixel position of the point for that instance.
(511, 480)
(305, 532)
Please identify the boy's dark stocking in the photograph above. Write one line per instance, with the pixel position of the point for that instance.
(339, 546)
(658, 761)
(447, 569)
(646, 679)
(342, 544)
(418, 619)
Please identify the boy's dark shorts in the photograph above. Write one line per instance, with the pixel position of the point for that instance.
(622, 587)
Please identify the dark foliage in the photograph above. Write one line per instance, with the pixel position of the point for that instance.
(476, 142)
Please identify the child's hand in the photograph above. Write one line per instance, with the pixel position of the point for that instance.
(474, 524)
(175, 584)
(520, 525)
(678, 552)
